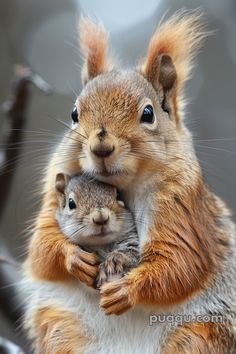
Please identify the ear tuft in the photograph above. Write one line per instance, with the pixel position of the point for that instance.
(94, 48)
(177, 40)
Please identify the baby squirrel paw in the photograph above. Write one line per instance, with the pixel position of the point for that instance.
(112, 268)
(81, 264)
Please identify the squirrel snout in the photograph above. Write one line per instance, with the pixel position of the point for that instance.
(102, 151)
(101, 144)
(100, 221)
(100, 217)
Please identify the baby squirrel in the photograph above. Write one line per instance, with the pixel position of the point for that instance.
(91, 215)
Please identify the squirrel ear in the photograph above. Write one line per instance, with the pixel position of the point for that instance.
(94, 46)
(163, 76)
(61, 182)
(170, 55)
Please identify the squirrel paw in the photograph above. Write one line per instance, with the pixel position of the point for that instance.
(112, 268)
(81, 264)
(115, 297)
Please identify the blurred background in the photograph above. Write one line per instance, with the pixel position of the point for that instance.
(42, 35)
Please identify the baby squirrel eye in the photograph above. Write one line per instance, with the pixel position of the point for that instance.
(148, 115)
(74, 115)
(72, 204)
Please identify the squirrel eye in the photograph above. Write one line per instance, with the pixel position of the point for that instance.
(74, 115)
(72, 204)
(148, 115)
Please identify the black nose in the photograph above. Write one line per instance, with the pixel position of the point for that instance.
(100, 221)
(103, 152)
(102, 133)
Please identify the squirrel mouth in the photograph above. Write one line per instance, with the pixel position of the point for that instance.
(101, 234)
(106, 173)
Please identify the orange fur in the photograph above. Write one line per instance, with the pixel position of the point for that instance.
(94, 47)
(184, 253)
(201, 338)
(52, 256)
(57, 332)
(182, 256)
(179, 37)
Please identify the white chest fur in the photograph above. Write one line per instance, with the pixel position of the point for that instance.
(126, 334)
(140, 201)
(130, 333)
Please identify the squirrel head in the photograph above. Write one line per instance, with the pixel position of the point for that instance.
(132, 121)
(90, 213)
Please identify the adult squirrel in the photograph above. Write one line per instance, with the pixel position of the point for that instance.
(128, 131)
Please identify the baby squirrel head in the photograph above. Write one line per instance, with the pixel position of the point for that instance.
(127, 120)
(90, 213)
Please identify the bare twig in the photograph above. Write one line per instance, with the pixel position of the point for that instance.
(15, 108)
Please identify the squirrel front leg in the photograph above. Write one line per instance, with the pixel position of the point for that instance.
(125, 255)
(185, 247)
(51, 255)
(162, 278)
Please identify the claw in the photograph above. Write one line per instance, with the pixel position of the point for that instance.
(82, 265)
(115, 297)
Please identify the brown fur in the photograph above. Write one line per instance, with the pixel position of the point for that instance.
(185, 253)
(57, 332)
(179, 38)
(201, 338)
(114, 265)
(182, 258)
(93, 46)
(52, 256)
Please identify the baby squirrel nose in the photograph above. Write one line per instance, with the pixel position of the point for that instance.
(101, 221)
(100, 217)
